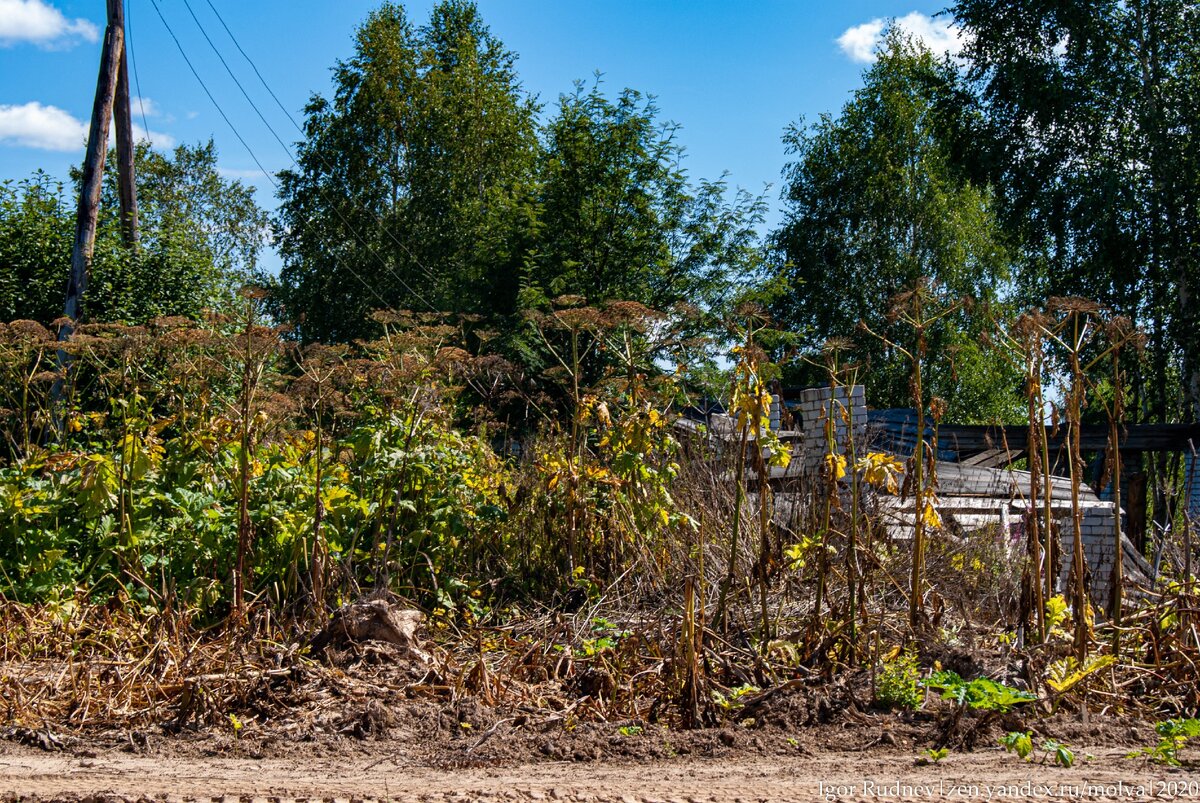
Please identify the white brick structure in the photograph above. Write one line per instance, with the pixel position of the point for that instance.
(817, 406)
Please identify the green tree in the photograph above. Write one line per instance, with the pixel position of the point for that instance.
(1091, 137)
(878, 198)
(35, 248)
(619, 219)
(413, 184)
(200, 238)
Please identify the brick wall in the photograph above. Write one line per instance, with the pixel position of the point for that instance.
(818, 405)
(1097, 529)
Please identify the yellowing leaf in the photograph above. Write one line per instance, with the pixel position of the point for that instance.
(835, 464)
(1064, 675)
(932, 518)
(881, 470)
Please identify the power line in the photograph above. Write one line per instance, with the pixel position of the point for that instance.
(254, 67)
(236, 82)
(133, 62)
(287, 150)
(249, 150)
(378, 218)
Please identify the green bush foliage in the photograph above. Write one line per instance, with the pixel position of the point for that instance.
(354, 466)
(898, 684)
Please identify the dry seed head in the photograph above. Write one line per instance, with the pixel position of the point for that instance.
(433, 317)
(937, 407)
(570, 300)
(580, 318)
(834, 345)
(388, 316)
(753, 310)
(1073, 304)
(29, 332)
(451, 355)
(275, 406)
(170, 322)
(1121, 330)
(631, 313)
(493, 362)
(685, 310)
(253, 292)
(188, 337)
(321, 352)
(1028, 326)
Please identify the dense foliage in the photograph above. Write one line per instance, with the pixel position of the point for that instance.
(200, 238)
(517, 434)
(1088, 130)
(190, 452)
(878, 198)
(427, 183)
(413, 185)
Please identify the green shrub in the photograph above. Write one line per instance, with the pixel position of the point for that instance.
(1173, 735)
(981, 693)
(898, 684)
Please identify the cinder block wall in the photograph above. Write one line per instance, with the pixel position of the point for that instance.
(1098, 529)
(820, 404)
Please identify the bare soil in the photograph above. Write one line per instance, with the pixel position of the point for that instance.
(798, 746)
(387, 772)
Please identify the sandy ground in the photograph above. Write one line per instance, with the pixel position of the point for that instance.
(887, 775)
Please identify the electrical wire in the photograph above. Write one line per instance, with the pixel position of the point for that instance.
(295, 124)
(282, 144)
(249, 150)
(133, 62)
(238, 83)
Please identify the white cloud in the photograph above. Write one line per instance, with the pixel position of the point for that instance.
(49, 128)
(43, 24)
(33, 125)
(861, 42)
(143, 106)
(156, 138)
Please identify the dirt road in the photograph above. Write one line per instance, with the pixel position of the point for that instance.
(118, 776)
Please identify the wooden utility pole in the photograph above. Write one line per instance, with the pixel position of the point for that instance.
(112, 81)
(122, 116)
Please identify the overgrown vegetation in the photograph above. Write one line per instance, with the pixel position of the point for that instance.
(567, 468)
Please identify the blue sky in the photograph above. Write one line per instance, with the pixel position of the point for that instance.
(733, 75)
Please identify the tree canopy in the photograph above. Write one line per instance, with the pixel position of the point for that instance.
(428, 183)
(878, 198)
(200, 238)
(618, 218)
(1089, 131)
(413, 184)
